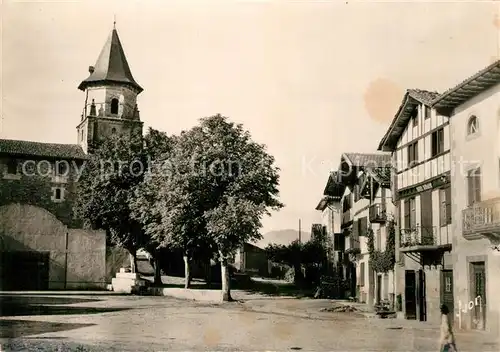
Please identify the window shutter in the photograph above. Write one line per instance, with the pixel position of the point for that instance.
(407, 213)
(355, 233)
(365, 224)
(448, 205)
(415, 151)
(442, 207)
(470, 188)
(477, 186)
(413, 213)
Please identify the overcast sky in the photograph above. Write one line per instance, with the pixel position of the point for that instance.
(310, 80)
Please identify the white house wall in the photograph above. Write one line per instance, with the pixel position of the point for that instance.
(480, 149)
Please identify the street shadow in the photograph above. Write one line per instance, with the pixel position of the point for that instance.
(196, 283)
(273, 289)
(6, 299)
(22, 310)
(10, 329)
(39, 305)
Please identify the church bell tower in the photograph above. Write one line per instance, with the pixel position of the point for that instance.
(110, 97)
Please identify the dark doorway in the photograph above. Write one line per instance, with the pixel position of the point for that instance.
(410, 295)
(447, 291)
(24, 270)
(421, 299)
(478, 290)
(379, 289)
(353, 283)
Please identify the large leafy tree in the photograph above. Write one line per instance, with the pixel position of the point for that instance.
(157, 146)
(233, 182)
(105, 186)
(171, 216)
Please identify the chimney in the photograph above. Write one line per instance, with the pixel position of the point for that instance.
(91, 69)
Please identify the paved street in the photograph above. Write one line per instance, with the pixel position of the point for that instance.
(132, 323)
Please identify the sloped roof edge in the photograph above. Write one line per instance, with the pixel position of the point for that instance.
(470, 87)
(411, 98)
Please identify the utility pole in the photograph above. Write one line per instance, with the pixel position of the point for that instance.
(300, 235)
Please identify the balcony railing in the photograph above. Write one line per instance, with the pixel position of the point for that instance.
(378, 213)
(427, 237)
(482, 217)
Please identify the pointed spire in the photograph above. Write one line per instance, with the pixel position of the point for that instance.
(111, 66)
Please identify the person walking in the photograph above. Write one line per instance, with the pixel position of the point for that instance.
(447, 338)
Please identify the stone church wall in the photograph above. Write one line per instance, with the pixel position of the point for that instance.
(31, 219)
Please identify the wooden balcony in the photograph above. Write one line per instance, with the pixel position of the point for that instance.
(482, 220)
(346, 218)
(377, 213)
(424, 239)
(354, 248)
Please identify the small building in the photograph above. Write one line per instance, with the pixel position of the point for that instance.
(251, 259)
(330, 208)
(419, 140)
(42, 245)
(474, 110)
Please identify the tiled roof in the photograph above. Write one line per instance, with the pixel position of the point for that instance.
(111, 66)
(423, 96)
(411, 99)
(470, 87)
(49, 150)
(368, 160)
(334, 187)
(323, 203)
(382, 174)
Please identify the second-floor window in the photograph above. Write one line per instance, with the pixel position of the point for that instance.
(445, 206)
(412, 154)
(437, 142)
(473, 186)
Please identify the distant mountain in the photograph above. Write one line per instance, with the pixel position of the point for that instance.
(283, 237)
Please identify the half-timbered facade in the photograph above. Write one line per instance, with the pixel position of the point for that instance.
(360, 194)
(418, 139)
(474, 110)
(376, 206)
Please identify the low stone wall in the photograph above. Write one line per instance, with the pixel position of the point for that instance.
(214, 296)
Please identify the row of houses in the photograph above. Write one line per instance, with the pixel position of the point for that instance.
(430, 194)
